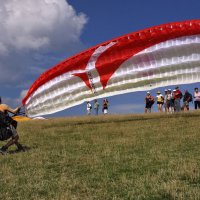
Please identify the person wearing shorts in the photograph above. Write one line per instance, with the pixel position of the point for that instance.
(160, 101)
(8, 128)
(105, 107)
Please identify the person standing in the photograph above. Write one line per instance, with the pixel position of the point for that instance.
(149, 101)
(196, 98)
(177, 99)
(105, 106)
(169, 103)
(96, 107)
(187, 98)
(173, 99)
(160, 101)
(165, 101)
(89, 108)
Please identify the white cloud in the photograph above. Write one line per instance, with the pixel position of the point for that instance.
(3, 49)
(14, 102)
(28, 24)
(23, 94)
(34, 33)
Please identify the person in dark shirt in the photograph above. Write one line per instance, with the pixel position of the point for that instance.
(149, 101)
(187, 98)
(105, 106)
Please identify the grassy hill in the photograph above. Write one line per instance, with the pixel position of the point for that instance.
(151, 157)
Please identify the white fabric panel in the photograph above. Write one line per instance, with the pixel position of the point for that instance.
(172, 62)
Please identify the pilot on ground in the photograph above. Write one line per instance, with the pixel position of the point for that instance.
(8, 129)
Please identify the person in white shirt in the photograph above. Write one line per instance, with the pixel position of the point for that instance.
(169, 104)
(196, 98)
(165, 100)
(89, 108)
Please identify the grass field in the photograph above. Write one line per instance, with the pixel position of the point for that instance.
(142, 157)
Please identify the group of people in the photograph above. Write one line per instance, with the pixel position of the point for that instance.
(170, 102)
(97, 106)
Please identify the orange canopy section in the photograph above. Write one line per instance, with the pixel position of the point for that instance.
(21, 118)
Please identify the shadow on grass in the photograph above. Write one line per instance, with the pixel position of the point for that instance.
(25, 149)
(143, 117)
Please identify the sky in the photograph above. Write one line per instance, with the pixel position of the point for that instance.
(36, 35)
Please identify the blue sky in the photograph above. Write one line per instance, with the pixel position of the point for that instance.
(96, 22)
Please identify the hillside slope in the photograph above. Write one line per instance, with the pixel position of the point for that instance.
(107, 157)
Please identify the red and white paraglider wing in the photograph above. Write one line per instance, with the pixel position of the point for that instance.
(159, 56)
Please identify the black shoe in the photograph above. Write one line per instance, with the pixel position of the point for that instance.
(3, 150)
(20, 148)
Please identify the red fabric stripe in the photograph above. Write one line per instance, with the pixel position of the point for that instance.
(125, 47)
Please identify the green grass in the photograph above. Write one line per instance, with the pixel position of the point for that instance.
(151, 157)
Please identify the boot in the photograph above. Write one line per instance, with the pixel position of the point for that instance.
(3, 150)
(20, 147)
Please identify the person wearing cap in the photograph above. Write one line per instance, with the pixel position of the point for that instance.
(177, 99)
(160, 101)
(196, 98)
(149, 101)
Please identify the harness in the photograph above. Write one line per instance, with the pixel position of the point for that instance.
(7, 125)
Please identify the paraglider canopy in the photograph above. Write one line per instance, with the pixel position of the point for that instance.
(163, 55)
